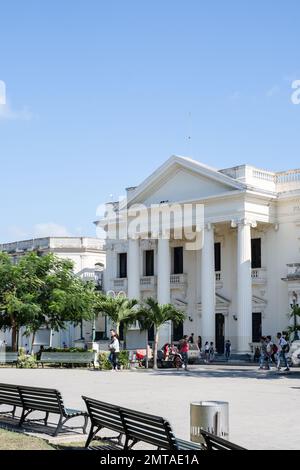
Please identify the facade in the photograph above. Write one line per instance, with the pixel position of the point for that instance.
(88, 257)
(240, 281)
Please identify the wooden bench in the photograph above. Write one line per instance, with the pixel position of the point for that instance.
(135, 426)
(151, 429)
(86, 358)
(9, 395)
(104, 416)
(213, 442)
(9, 357)
(49, 401)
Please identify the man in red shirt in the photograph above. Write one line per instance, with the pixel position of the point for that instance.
(184, 349)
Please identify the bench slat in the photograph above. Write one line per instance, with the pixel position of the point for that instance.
(217, 443)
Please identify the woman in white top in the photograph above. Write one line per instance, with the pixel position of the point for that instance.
(114, 349)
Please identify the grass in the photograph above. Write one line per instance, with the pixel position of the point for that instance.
(18, 441)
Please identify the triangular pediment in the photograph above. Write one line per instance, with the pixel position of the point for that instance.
(182, 179)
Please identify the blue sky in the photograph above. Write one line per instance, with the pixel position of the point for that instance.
(102, 92)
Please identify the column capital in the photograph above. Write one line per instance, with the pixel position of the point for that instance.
(133, 236)
(243, 223)
(161, 235)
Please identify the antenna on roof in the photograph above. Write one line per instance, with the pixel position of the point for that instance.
(189, 134)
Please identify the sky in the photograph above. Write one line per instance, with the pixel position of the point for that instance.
(99, 93)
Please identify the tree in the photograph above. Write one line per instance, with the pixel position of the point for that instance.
(154, 314)
(295, 313)
(42, 290)
(118, 309)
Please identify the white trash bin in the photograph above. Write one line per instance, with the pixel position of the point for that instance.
(212, 416)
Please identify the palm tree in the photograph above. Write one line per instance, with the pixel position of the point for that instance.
(118, 309)
(154, 314)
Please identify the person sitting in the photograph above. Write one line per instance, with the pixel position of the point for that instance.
(166, 351)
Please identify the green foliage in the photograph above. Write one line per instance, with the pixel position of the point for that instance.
(62, 350)
(104, 363)
(26, 362)
(151, 313)
(118, 309)
(124, 359)
(291, 330)
(43, 290)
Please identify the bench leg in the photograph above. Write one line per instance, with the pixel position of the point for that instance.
(59, 426)
(128, 446)
(92, 434)
(24, 415)
(46, 418)
(86, 421)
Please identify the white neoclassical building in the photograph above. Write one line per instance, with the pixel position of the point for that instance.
(241, 280)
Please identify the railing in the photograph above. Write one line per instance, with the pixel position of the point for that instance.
(259, 275)
(120, 283)
(293, 271)
(219, 279)
(263, 175)
(288, 176)
(147, 282)
(177, 279)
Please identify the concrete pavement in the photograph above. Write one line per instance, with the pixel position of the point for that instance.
(264, 406)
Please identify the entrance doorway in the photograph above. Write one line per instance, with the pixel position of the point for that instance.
(220, 333)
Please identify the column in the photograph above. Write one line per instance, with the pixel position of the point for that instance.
(208, 281)
(133, 268)
(163, 284)
(244, 287)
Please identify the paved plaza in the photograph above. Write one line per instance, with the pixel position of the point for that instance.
(264, 406)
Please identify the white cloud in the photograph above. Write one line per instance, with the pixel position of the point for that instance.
(273, 91)
(50, 229)
(14, 233)
(9, 114)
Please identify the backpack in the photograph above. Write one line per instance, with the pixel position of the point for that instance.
(286, 348)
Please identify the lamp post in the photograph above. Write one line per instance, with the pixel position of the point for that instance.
(295, 298)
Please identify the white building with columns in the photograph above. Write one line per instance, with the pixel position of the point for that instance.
(240, 281)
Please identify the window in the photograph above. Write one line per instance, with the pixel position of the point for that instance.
(149, 263)
(256, 252)
(177, 331)
(256, 327)
(217, 257)
(178, 260)
(122, 265)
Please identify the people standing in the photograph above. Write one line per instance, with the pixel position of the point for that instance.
(211, 352)
(191, 338)
(199, 343)
(283, 348)
(114, 348)
(206, 352)
(184, 349)
(227, 349)
(263, 360)
(271, 350)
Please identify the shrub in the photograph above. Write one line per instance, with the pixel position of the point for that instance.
(124, 359)
(62, 350)
(104, 363)
(26, 362)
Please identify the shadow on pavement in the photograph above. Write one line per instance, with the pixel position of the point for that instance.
(236, 373)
